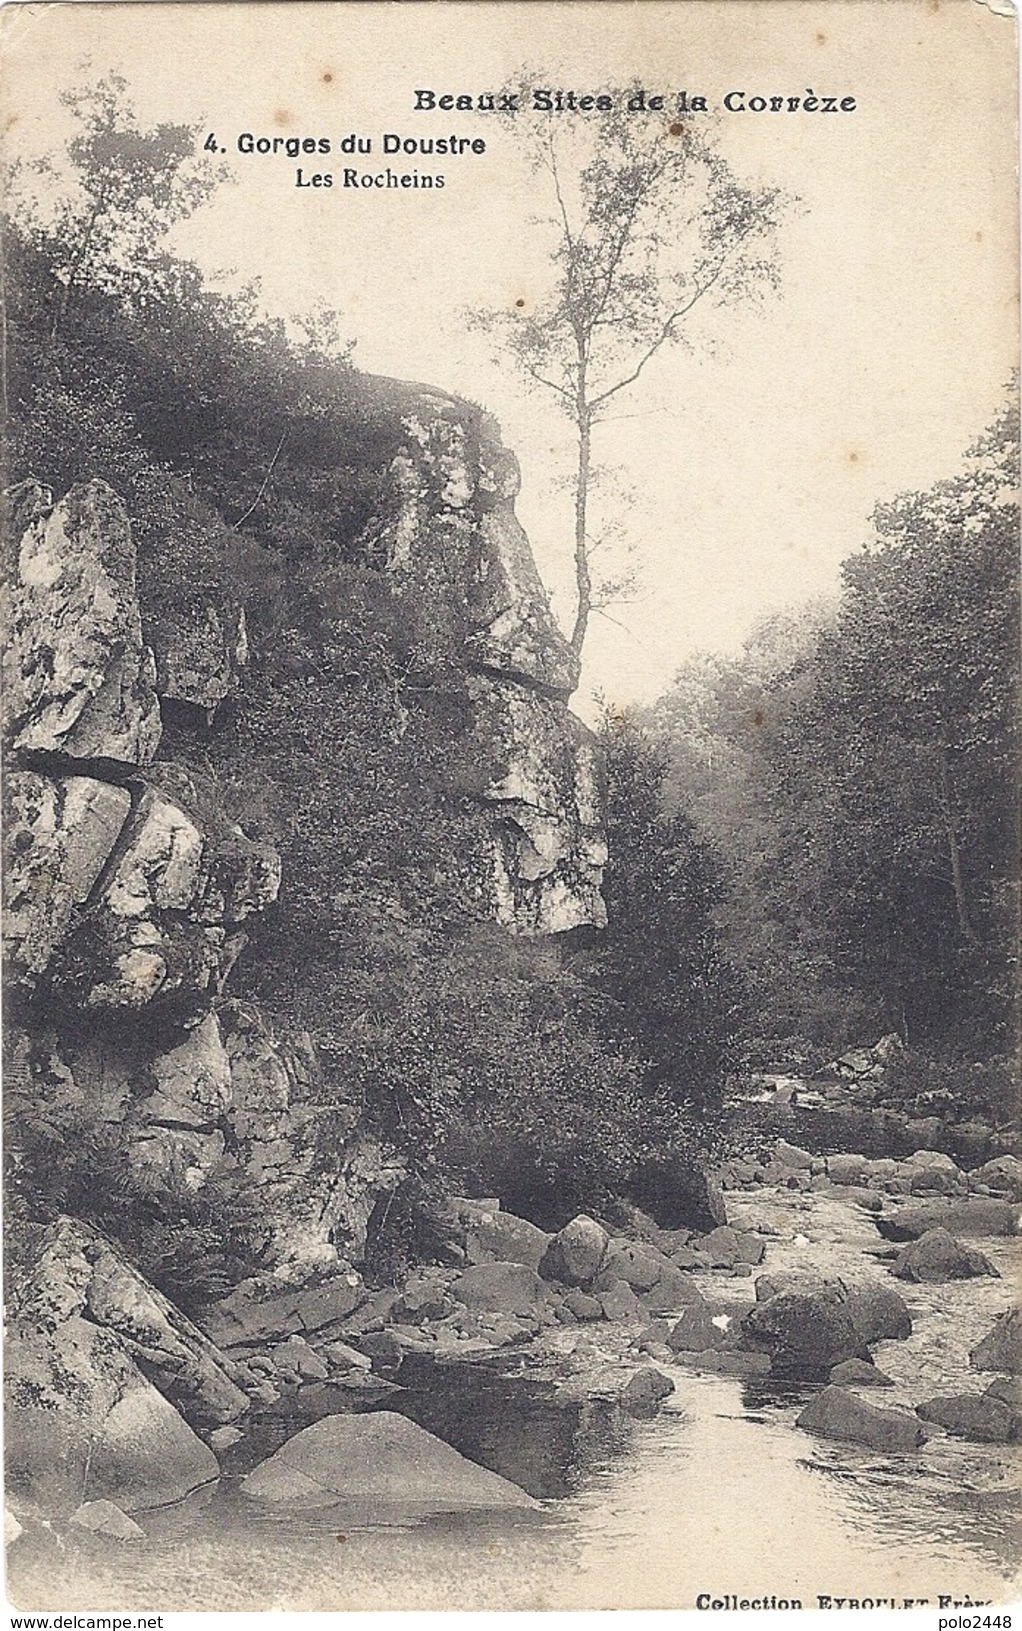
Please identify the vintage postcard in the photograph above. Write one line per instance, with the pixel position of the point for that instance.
(511, 768)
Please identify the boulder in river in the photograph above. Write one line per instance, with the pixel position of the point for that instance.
(634, 1261)
(1003, 1175)
(695, 1331)
(833, 1413)
(583, 1305)
(74, 1270)
(938, 1256)
(106, 1518)
(576, 1253)
(724, 1361)
(937, 1181)
(501, 1288)
(846, 1169)
(81, 1420)
(254, 1313)
(790, 1155)
(379, 1460)
(859, 1373)
(933, 1160)
(878, 1313)
(803, 1282)
(295, 1358)
(1008, 1389)
(726, 1247)
(972, 1217)
(806, 1335)
(974, 1416)
(673, 1290)
(644, 1390)
(855, 1195)
(224, 1438)
(619, 1302)
(501, 1237)
(1001, 1348)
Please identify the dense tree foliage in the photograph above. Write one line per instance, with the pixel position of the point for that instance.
(661, 966)
(858, 766)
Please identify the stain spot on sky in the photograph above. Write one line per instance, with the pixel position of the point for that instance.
(283, 117)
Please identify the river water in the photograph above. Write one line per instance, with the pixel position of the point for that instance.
(718, 1494)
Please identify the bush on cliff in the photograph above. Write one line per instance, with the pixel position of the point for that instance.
(194, 1245)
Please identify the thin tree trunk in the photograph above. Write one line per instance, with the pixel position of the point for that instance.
(583, 578)
(961, 901)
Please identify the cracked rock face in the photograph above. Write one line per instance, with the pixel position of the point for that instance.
(199, 653)
(92, 1341)
(180, 1138)
(166, 920)
(58, 837)
(78, 679)
(452, 535)
(513, 633)
(545, 788)
(315, 1214)
(452, 521)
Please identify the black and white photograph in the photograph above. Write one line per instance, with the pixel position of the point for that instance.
(511, 771)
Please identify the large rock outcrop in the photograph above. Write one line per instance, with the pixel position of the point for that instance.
(130, 890)
(58, 836)
(134, 873)
(74, 1274)
(119, 896)
(78, 679)
(81, 1422)
(544, 787)
(449, 538)
(226, 1097)
(167, 921)
(105, 1381)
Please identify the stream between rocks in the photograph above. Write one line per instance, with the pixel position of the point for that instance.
(719, 1493)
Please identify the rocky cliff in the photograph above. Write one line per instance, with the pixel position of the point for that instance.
(136, 872)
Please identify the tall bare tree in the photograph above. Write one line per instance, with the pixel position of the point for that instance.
(648, 221)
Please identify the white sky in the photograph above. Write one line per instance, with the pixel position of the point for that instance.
(757, 456)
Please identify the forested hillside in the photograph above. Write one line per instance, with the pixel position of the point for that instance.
(857, 767)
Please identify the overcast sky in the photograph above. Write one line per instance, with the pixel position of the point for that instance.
(756, 455)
